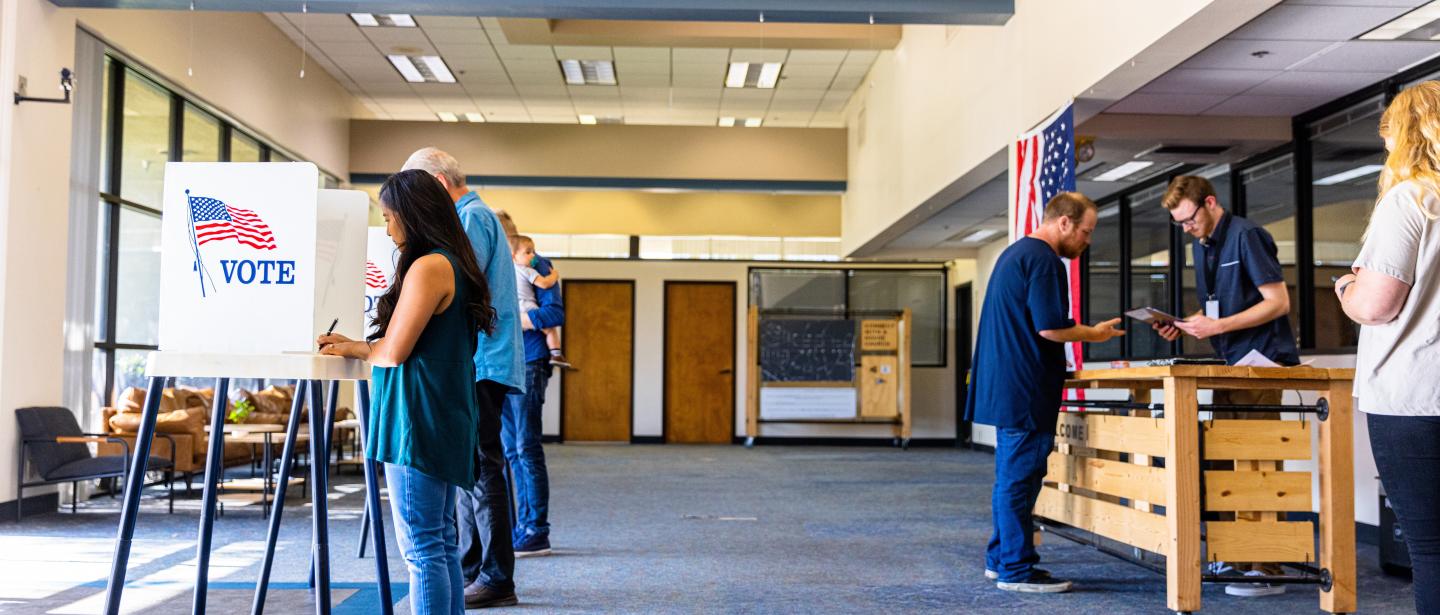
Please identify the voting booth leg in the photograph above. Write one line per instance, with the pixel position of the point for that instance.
(319, 489)
(332, 398)
(372, 502)
(213, 469)
(135, 481)
(272, 534)
(364, 526)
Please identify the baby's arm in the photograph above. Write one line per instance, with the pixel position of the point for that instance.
(548, 280)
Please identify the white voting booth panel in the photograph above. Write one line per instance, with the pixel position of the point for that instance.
(380, 257)
(255, 259)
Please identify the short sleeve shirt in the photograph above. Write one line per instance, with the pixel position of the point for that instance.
(1018, 376)
(1395, 362)
(1238, 258)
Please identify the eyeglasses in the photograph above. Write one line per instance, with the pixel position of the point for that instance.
(1188, 221)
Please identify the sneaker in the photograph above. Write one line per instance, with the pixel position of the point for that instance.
(1254, 590)
(532, 546)
(995, 576)
(558, 360)
(478, 596)
(1036, 584)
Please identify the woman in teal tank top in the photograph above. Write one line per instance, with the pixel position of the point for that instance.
(422, 423)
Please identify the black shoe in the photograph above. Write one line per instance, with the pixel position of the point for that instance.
(993, 576)
(478, 596)
(1036, 584)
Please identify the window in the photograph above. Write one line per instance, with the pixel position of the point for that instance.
(1103, 284)
(243, 148)
(837, 291)
(1150, 277)
(146, 142)
(202, 136)
(1269, 193)
(1346, 156)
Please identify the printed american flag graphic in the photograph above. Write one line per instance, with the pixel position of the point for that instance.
(216, 221)
(1045, 167)
(374, 277)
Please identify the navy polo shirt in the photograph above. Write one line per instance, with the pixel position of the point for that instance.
(1018, 376)
(1231, 265)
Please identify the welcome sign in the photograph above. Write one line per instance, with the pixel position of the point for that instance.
(380, 257)
(245, 267)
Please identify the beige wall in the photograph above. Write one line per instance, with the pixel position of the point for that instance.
(242, 69)
(572, 150)
(948, 98)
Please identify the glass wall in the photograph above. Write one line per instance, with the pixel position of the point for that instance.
(1346, 158)
(1103, 280)
(1150, 275)
(1269, 193)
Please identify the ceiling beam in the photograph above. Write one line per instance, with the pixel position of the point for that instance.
(952, 12)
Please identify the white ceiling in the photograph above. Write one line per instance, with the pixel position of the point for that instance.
(523, 83)
(1294, 57)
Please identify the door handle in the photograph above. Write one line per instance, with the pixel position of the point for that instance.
(727, 371)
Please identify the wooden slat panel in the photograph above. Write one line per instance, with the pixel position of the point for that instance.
(1127, 525)
(1117, 478)
(1112, 433)
(1262, 491)
(1256, 439)
(1260, 541)
(1250, 384)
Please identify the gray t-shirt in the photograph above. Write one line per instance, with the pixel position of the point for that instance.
(525, 287)
(1395, 362)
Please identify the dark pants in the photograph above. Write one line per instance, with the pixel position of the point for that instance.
(520, 432)
(486, 553)
(1407, 453)
(1020, 465)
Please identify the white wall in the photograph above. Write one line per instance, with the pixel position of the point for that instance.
(932, 388)
(237, 69)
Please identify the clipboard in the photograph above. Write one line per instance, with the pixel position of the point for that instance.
(1149, 315)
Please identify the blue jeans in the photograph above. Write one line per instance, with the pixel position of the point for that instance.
(520, 433)
(424, 511)
(1407, 453)
(1020, 464)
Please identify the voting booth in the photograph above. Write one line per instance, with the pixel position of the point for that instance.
(256, 262)
(380, 258)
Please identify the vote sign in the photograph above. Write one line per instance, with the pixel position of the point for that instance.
(380, 257)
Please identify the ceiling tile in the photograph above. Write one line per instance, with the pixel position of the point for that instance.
(508, 116)
(536, 91)
(628, 78)
(1236, 54)
(524, 52)
(483, 79)
(554, 119)
(340, 34)
(583, 53)
(1364, 56)
(1315, 84)
(758, 55)
(594, 92)
(474, 36)
(626, 69)
(395, 87)
(845, 83)
(438, 89)
(817, 56)
(466, 50)
(685, 55)
(1166, 104)
(1209, 81)
(698, 75)
(1403, 3)
(320, 20)
(396, 36)
(446, 23)
(1264, 106)
(363, 49)
(642, 54)
(1315, 23)
(805, 82)
(474, 64)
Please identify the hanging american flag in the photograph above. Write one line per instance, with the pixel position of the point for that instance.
(216, 221)
(374, 277)
(1044, 167)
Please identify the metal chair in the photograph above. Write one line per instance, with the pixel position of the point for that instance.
(52, 442)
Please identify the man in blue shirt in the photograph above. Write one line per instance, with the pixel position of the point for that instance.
(1019, 377)
(521, 419)
(1245, 306)
(487, 553)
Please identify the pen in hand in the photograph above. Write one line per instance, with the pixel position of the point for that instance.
(331, 330)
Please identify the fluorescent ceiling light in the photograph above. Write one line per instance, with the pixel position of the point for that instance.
(727, 122)
(769, 75)
(406, 67)
(391, 20)
(474, 117)
(752, 122)
(736, 77)
(1122, 171)
(1357, 172)
(588, 72)
(980, 235)
(446, 116)
(586, 118)
(438, 69)
(1419, 24)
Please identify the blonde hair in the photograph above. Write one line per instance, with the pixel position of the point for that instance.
(1412, 124)
(520, 241)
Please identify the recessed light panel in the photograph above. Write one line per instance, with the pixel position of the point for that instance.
(588, 72)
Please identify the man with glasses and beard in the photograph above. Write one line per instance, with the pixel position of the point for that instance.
(1019, 377)
(1245, 307)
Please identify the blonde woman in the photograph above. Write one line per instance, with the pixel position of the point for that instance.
(1394, 293)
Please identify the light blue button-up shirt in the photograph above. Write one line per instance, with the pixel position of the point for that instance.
(499, 356)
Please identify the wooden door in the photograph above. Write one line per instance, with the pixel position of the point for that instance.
(700, 362)
(599, 340)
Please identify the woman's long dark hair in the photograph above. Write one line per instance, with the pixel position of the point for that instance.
(427, 216)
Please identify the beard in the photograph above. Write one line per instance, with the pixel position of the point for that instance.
(1072, 251)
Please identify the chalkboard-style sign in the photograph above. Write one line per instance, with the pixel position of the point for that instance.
(807, 350)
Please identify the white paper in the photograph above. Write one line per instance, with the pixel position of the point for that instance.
(780, 403)
(1255, 359)
(1149, 314)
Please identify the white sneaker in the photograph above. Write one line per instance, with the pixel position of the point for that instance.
(1254, 590)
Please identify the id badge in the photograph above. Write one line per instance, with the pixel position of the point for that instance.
(1212, 309)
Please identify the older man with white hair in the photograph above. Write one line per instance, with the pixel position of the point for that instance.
(488, 554)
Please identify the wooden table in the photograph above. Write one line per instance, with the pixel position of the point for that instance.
(1102, 479)
(263, 434)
